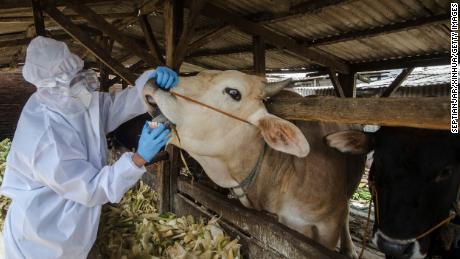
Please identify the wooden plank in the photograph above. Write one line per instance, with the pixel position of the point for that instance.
(181, 48)
(251, 248)
(282, 42)
(259, 55)
(39, 22)
(100, 23)
(393, 87)
(209, 37)
(150, 38)
(417, 112)
(435, 59)
(89, 44)
(265, 229)
(336, 83)
(381, 30)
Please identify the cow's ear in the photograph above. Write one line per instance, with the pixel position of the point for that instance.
(350, 142)
(282, 135)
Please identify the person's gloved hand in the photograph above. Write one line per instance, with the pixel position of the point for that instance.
(151, 141)
(165, 77)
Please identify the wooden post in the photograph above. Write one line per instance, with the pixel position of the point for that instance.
(397, 82)
(259, 55)
(39, 21)
(169, 170)
(348, 83)
(173, 14)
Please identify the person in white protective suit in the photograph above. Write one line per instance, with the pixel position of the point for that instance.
(57, 174)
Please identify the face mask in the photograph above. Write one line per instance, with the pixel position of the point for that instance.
(83, 85)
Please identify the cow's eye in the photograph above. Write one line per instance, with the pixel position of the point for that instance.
(235, 94)
(444, 174)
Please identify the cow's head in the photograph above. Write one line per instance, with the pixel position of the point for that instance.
(224, 146)
(416, 174)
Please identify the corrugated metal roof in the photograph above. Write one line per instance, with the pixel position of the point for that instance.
(347, 16)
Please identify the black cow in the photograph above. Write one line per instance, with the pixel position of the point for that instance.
(416, 174)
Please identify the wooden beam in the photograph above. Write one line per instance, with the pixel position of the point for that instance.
(259, 55)
(435, 59)
(417, 112)
(150, 38)
(173, 13)
(181, 49)
(39, 22)
(209, 37)
(393, 87)
(336, 84)
(287, 44)
(100, 23)
(89, 44)
(381, 30)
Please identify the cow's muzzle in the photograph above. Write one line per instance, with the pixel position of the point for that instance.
(401, 249)
(394, 249)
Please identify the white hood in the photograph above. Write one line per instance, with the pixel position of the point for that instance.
(49, 62)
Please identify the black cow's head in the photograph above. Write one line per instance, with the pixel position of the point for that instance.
(416, 174)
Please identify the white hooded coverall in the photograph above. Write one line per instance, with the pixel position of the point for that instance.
(56, 172)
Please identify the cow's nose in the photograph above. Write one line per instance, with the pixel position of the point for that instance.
(391, 248)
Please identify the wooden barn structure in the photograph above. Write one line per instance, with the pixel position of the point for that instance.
(122, 38)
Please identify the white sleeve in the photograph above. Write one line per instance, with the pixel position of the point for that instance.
(60, 163)
(122, 106)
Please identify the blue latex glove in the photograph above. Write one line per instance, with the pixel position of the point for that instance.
(151, 141)
(165, 77)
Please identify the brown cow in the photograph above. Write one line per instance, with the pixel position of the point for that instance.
(267, 156)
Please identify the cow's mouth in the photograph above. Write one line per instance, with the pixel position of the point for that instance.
(157, 115)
